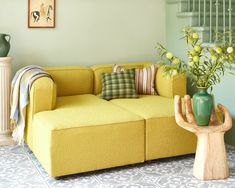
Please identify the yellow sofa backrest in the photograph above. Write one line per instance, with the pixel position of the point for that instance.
(169, 87)
(72, 80)
(77, 80)
(99, 69)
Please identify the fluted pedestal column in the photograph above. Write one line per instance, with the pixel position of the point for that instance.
(5, 81)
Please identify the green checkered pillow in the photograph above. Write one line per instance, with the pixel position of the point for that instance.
(119, 85)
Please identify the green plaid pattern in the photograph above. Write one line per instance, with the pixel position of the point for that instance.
(119, 85)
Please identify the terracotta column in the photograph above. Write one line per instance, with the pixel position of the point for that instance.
(5, 82)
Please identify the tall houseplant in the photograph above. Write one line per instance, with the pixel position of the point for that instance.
(205, 66)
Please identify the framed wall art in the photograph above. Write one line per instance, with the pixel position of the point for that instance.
(41, 13)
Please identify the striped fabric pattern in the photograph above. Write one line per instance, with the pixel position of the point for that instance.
(119, 85)
(144, 78)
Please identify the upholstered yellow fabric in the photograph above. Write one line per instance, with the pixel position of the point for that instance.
(163, 137)
(72, 80)
(148, 106)
(42, 98)
(169, 87)
(85, 133)
(99, 69)
(78, 132)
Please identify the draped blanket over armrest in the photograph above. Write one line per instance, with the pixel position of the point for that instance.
(20, 88)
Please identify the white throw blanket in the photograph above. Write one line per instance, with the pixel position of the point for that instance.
(20, 88)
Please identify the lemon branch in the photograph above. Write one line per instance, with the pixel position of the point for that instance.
(205, 65)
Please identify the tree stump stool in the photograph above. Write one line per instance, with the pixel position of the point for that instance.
(210, 159)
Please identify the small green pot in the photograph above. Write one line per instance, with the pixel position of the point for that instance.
(202, 106)
(4, 44)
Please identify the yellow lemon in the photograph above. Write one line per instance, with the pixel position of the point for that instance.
(196, 59)
(169, 55)
(230, 50)
(195, 36)
(176, 61)
(190, 40)
(218, 50)
(198, 48)
(193, 52)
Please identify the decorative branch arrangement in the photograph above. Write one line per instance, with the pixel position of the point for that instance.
(206, 64)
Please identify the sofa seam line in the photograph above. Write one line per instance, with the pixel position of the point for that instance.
(55, 130)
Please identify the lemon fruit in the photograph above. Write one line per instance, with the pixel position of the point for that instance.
(218, 50)
(198, 48)
(195, 36)
(230, 50)
(196, 59)
(176, 61)
(169, 55)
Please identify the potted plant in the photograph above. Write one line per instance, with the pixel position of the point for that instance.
(206, 65)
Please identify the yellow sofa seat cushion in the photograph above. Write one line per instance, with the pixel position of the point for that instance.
(164, 138)
(148, 106)
(84, 110)
(85, 133)
(73, 80)
(107, 68)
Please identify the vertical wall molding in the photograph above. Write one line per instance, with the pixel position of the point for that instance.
(5, 81)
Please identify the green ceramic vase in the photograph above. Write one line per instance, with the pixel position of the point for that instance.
(202, 106)
(4, 44)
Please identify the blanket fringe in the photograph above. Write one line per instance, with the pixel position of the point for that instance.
(18, 135)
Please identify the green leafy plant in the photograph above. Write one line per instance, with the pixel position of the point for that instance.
(206, 64)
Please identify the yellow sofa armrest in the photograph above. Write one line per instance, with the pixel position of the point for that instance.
(42, 97)
(170, 86)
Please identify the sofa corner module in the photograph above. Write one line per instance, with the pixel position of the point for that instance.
(164, 138)
(179, 86)
(169, 87)
(83, 149)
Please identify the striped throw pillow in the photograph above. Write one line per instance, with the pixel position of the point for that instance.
(119, 85)
(144, 78)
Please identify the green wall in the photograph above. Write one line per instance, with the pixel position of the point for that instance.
(225, 91)
(225, 94)
(87, 32)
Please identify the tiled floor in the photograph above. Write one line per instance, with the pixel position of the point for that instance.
(20, 168)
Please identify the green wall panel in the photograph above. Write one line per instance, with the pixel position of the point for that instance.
(87, 32)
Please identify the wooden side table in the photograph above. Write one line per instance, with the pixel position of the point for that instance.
(210, 159)
(5, 81)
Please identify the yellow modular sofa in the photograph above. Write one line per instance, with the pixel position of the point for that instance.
(71, 130)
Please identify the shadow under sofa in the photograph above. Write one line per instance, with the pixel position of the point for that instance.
(71, 130)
